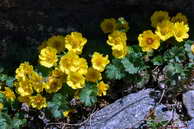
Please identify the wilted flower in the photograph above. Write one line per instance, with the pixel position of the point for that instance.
(75, 42)
(57, 42)
(99, 62)
(180, 31)
(48, 57)
(108, 25)
(148, 41)
(93, 75)
(42, 45)
(179, 18)
(158, 17)
(102, 88)
(53, 85)
(24, 99)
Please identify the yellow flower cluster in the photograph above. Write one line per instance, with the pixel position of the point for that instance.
(27, 82)
(49, 49)
(166, 28)
(109, 25)
(69, 68)
(118, 41)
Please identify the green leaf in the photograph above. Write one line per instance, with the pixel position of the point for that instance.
(43, 70)
(158, 60)
(9, 81)
(88, 95)
(129, 67)
(115, 70)
(57, 105)
(18, 123)
(5, 121)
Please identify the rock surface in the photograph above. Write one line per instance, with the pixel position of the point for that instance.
(166, 115)
(128, 112)
(188, 100)
(191, 124)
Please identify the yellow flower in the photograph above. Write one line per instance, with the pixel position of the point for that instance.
(38, 102)
(159, 16)
(93, 75)
(192, 48)
(120, 53)
(37, 82)
(99, 62)
(24, 88)
(66, 113)
(180, 31)
(148, 41)
(53, 85)
(24, 71)
(9, 94)
(83, 66)
(1, 106)
(48, 57)
(72, 63)
(102, 88)
(165, 29)
(117, 39)
(179, 18)
(75, 42)
(75, 80)
(57, 42)
(24, 99)
(108, 25)
(42, 45)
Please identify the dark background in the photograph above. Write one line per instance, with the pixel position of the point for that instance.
(24, 24)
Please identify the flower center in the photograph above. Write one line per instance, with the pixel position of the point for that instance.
(149, 41)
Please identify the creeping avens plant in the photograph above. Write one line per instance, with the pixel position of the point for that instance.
(63, 74)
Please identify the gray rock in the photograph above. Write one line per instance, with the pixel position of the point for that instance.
(188, 100)
(162, 115)
(128, 112)
(191, 124)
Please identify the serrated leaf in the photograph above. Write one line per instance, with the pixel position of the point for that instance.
(18, 123)
(57, 105)
(113, 72)
(129, 67)
(88, 95)
(158, 60)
